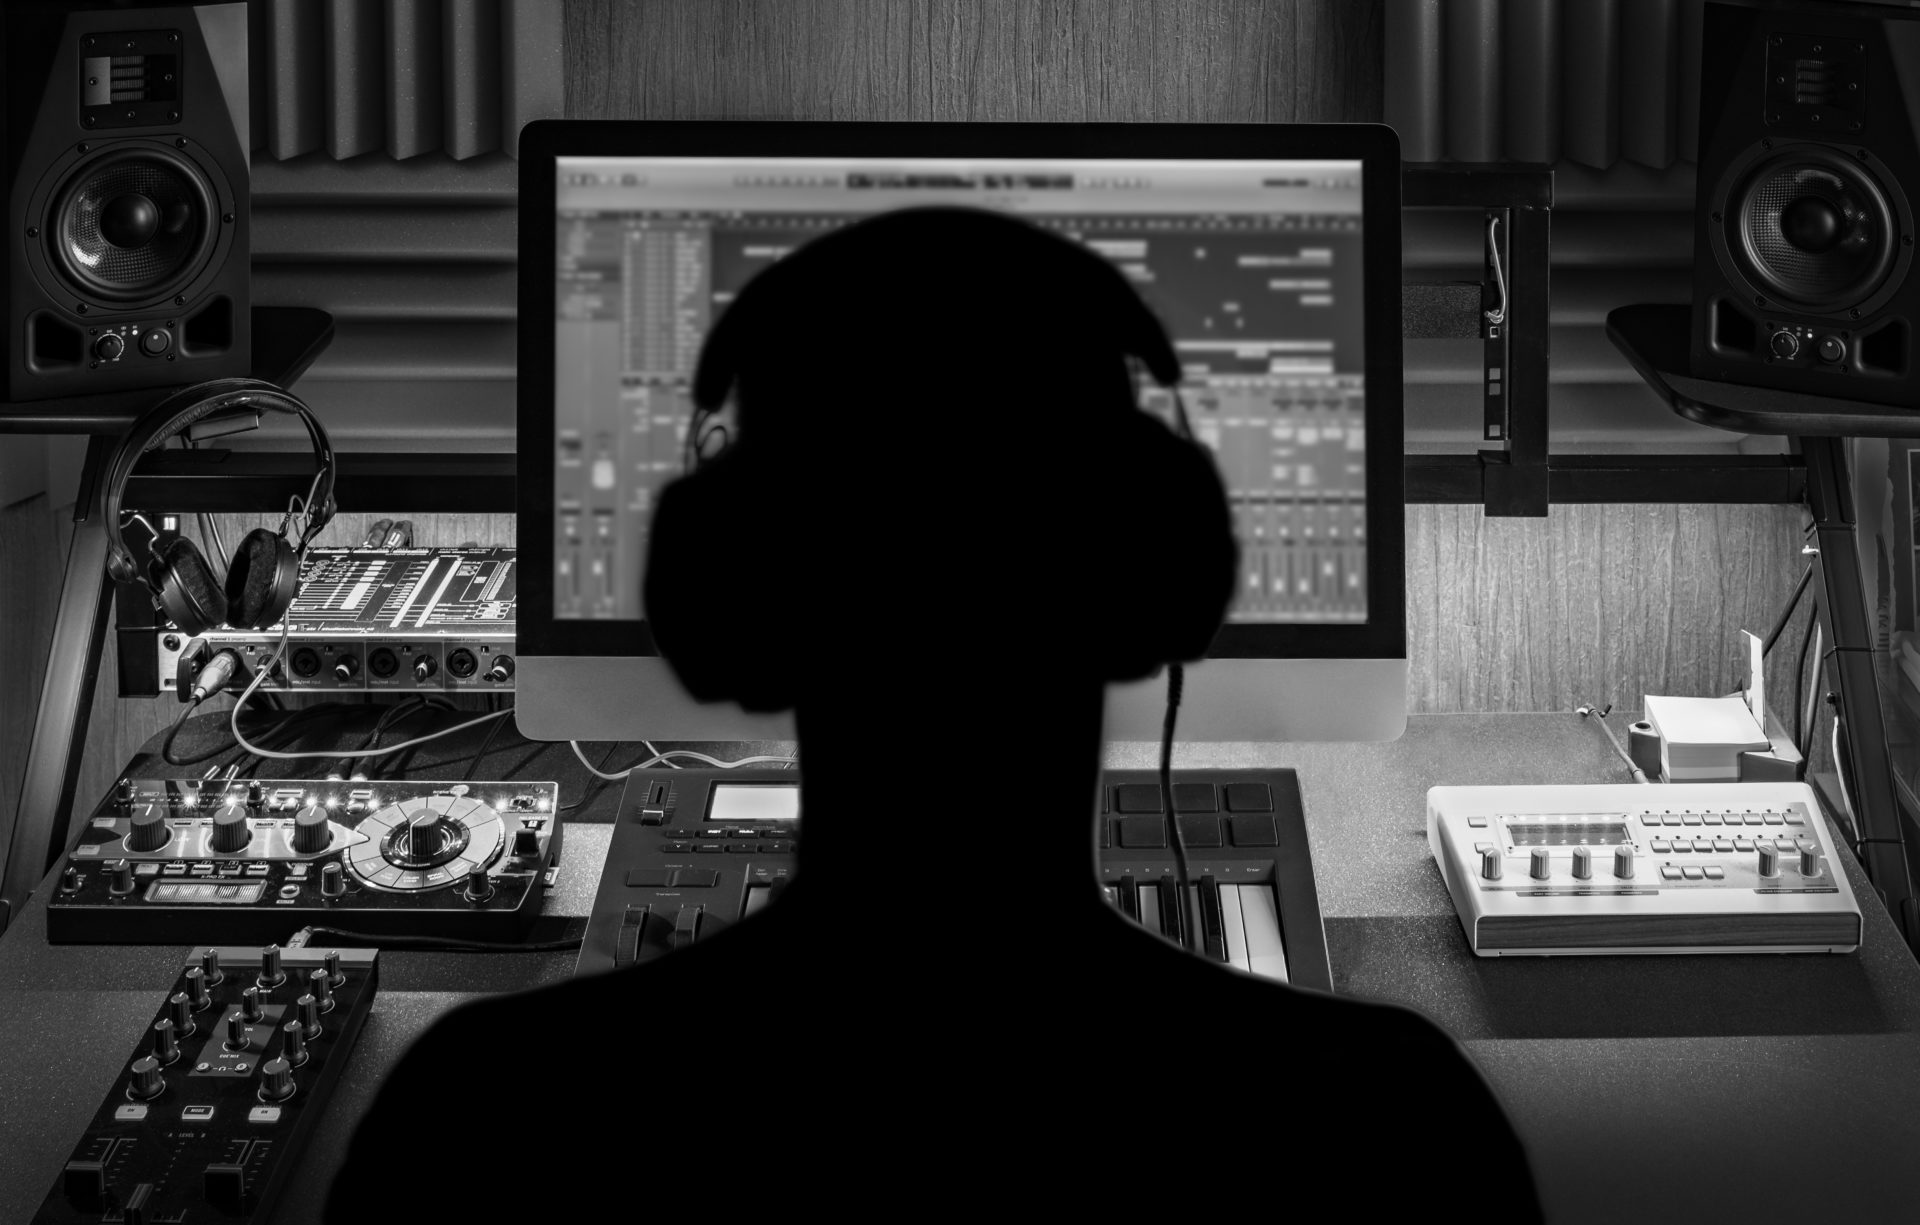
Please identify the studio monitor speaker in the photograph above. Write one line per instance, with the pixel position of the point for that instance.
(127, 252)
(1803, 272)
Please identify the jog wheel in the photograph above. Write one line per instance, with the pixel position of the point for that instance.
(426, 843)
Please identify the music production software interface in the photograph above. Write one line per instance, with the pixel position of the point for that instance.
(1253, 267)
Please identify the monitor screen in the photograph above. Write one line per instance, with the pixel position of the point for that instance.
(1254, 268)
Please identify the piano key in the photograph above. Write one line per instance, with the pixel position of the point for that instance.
(1214, 945)
(1149, 901)
(1172, 921)
(1129, 898)
(1260, 910)
(1236, 930)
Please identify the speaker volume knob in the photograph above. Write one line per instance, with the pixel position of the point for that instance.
(311, 830)
(230, 832)
(109, 347)
(1784, 344)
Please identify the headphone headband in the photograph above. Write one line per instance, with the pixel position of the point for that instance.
(181, 410)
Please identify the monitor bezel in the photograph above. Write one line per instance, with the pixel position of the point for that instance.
(1375, 146)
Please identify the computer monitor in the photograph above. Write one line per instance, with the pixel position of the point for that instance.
(1270, 252)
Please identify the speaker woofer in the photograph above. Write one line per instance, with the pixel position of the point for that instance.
(131, 225)
(1811, 229)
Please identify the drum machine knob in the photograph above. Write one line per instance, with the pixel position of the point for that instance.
(1491, 864)
(1582, 863)
(230, 832)
(1542, 866)
(333, 882)
(311, 830)
(149, 830)
(1623, 862)
(1809, 859)
(1769, 860)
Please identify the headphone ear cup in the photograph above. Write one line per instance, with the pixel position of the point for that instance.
(262, 581)
(1171, 532)
(188, 592)
(705, 608)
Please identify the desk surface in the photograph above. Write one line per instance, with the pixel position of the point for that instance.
(1646, 1088)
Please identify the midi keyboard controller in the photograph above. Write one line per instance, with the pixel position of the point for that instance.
(1630, 868)
(173, 860)
(695, 851)
(214, 1107)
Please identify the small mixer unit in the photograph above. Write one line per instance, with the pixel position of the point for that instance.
(175, 860)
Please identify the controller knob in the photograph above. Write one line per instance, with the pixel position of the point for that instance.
(256, 794)
(333, 882)
(197, 992)
(276, 1080)
(332, 963)
(180, 1012)
(70, 879)
(148, 1083)
(166, 1040)
(149, 830)
(250, 1005)
(230, 832)
(122, 876)
(296, 1045)
(1491, 864)
(236, 1031)
(1623, 862)
(123, 791)
(210, 966)
(311, 830)
(426, 836)
(1542, 865)
(310, 1015)
(270, 973)
(320, 987)
(479, 887)
(1769, 860)
(1809, 859)
(1582, 863)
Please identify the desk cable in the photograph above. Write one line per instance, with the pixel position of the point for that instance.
(1600, 714)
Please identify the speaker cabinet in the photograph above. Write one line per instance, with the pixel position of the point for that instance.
(1803, 265)
(127, 254)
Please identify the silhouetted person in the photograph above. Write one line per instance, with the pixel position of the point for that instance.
(941, 529)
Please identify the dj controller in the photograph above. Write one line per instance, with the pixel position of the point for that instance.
(697, 851)
(208, 1117)
(176, 860)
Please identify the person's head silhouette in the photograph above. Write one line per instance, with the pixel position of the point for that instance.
(937, 449)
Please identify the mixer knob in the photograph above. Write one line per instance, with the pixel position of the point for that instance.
(1769, 860)
(270, 975)
(479, 887)
(1582, 863)
(230, 832)
(1542, 867)
(180, 1012)
(296, 1047)
(70, 879)
(1491, 864)
(1623, 861)
(210, 966)
(149, 830)
(148, 1083)
(166, 1041)
(122, 876)
(310, 1015)
(197, 992)
(276, 1080)
(333, 882)
(250, 1005)
(311, 830)
(1809, 858)
(320, 987)
(236, 1032)
(331, 961)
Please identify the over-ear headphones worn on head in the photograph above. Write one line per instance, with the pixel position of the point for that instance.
(263, 577)
(1162, 514)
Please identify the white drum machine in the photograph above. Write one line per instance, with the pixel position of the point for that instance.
(1630, 868)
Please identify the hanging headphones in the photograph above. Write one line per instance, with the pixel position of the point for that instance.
(1048, 309)
(263, 577)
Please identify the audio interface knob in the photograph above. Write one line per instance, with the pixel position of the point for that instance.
(424, 669)
(311, 830)
(276, 1080)
(1491, 864)
(148, 1083)
(122, 876)
(1809, 859)
(250, 1005)
(295, 1050)
(1582, 863)
(230, 832)
(210, 966)
(502, 669)
(1542, 866)
(166, 1041)
(333, 881)
(320, 987)
(309, 1015)
(270, 973)
(1769, 860)
(1784, 344)
(1623, 862)
(180, 1012)
(346, 668)
(148, 830)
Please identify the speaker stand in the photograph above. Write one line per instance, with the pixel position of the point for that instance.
(287, 340)
(1654, 339)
